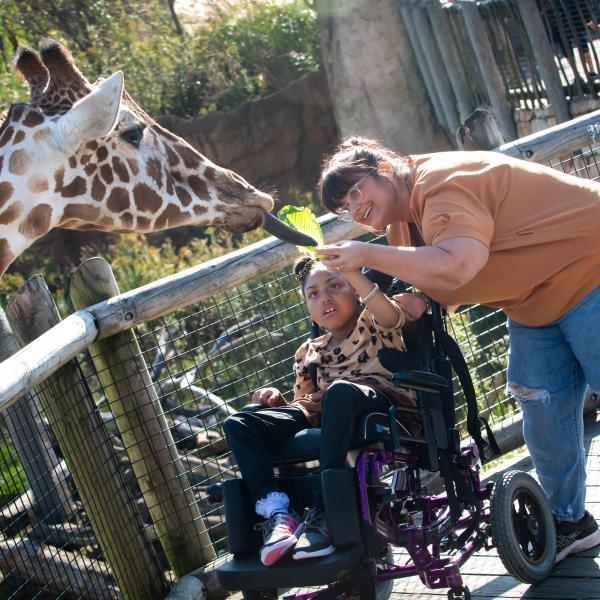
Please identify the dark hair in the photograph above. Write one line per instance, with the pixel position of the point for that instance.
(354, 158)
(303, 267)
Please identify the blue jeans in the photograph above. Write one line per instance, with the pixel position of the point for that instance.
(549, 368)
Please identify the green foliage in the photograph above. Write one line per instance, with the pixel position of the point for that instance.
(13, 480)
(246, 49)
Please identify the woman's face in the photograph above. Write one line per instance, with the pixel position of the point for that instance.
(371, 201)
(331, 301)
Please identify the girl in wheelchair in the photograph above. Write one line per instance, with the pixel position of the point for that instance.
(338, 378)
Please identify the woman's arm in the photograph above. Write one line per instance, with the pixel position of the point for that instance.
(382, 309)
(448, 265)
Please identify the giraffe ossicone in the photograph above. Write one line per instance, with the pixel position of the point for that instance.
(85, 156)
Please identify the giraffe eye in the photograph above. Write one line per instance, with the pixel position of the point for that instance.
(134, 135)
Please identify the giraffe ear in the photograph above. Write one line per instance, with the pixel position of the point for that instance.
(92, 117)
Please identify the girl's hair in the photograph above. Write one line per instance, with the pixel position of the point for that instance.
(303, 268)
(354, 158)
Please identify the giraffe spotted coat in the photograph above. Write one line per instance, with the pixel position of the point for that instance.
(354, 360)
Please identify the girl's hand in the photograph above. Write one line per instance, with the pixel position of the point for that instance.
(345, 256)
(269, 396)
(414, 306)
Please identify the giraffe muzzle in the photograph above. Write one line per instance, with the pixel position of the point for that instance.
(275, 227)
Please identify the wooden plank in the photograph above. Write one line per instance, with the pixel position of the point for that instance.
(419, 52)
(43, 469)
(559, 140)
(35, 362)
(440, 77)
(154, 457)
(498, 586)
(442, 31)
(81, 435)
(544, 56)
(489, 69)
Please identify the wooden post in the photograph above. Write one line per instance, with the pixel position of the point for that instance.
(43, 470)
(440, 78)
(417, 47)
(544, 56)
(88, 453)
(450, 57)
(480, 131)
(144, 429)
(489, 69)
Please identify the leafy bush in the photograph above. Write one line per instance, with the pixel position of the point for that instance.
(246, 50)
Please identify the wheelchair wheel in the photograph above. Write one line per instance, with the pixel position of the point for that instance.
(523, 527)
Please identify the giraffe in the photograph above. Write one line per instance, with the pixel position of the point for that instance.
(86, 156)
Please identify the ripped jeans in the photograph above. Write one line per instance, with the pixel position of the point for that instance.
(549, 368)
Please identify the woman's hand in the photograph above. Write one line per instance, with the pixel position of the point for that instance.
(269, 396)
(345, 256)
(414, 306)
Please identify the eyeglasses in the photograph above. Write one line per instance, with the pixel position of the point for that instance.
(355, 198)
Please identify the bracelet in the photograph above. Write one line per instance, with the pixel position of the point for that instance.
(370, 295)
(426, 298)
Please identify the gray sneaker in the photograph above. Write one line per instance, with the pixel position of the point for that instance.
(576, 537)
(280, 534)
(315, 540)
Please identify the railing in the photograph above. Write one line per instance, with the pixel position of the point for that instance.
(513, 56)
(112, 417)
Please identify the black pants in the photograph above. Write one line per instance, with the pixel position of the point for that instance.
(254, 436)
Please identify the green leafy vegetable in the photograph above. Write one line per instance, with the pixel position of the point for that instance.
(302, 219)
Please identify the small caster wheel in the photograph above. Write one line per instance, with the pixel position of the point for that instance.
(459, 593)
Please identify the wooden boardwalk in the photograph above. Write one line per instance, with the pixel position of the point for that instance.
(575, 578)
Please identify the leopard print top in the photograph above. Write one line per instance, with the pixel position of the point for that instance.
(354, 360)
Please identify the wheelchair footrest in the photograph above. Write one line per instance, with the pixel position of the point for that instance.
(248, 573)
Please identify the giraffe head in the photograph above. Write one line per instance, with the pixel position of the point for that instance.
(85, 156)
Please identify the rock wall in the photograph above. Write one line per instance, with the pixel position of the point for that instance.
(275, 142)
(373, 75)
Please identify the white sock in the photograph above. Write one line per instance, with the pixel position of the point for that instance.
(274, 502)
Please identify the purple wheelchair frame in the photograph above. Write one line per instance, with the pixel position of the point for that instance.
(434, 570)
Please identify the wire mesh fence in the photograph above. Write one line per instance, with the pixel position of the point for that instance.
(201, 364)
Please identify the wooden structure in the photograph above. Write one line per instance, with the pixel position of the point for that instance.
(496, 56)
(44, 363)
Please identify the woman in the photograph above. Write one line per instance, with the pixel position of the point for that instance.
(482, 228)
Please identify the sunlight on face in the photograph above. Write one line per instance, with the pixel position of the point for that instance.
(331, 301)
(371, 203)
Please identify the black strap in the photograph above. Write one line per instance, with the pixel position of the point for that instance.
(474, 421)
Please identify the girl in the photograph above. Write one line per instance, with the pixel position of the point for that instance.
(360, 320)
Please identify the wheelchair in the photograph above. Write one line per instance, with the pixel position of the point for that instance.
(378, 502)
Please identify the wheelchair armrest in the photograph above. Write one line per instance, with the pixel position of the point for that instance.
(420, 380)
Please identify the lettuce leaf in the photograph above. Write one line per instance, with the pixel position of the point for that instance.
(302, 219)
